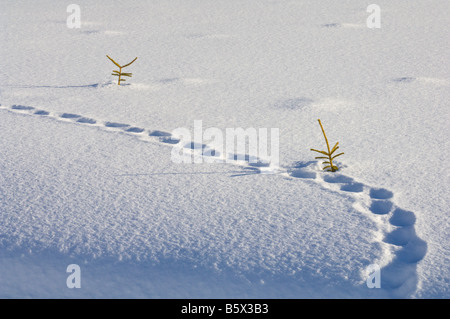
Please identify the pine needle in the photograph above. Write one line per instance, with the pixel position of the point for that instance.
(130, 62)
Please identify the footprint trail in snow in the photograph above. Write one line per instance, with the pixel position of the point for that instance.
(404, 249)
(189, 148)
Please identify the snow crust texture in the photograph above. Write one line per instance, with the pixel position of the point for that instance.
(404, 250)
(86, 174)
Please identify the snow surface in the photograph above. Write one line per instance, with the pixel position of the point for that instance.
(86, 175)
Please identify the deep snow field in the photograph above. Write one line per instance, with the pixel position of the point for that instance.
(87, 175)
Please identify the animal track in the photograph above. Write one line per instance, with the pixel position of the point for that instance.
(197, 149)
(380, 193)
(169, 140)
(195, 146)
(116, 125)
(401, 217)
(380, 207)
(86, 120)
(78, 118)
(69, 116)
(41, 112)
(352, 187)
(22, 107)
(400, 236)
(399, 276)
(159, 133)
(299, 173)
(337, 178)
(210, 152)
(135, 129)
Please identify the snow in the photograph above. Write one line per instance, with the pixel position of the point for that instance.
(87, 177)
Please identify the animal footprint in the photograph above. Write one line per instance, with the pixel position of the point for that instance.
(22, 107)
(353, 187)
(400, 236)
(300, 173)
(381, 207)
(86, 120)
(116, 125)
(169, 140)
(414, 251)
(380, 203)
(69, 116)
(159, 133)
(41, 112)
(380, 193)
(135, 129)
(401, 217)
(195, 146)
(337, 178)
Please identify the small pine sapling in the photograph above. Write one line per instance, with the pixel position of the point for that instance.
(328, 155)
(119, 73)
